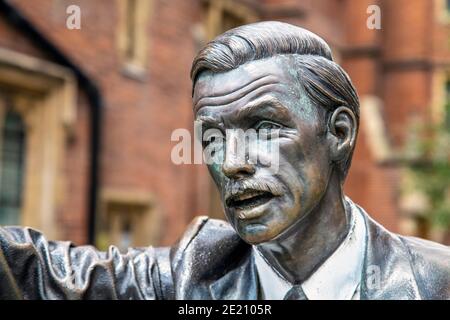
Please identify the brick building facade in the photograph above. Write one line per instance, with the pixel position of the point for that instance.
(99, 104)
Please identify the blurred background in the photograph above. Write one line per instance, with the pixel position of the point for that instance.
(90, 92)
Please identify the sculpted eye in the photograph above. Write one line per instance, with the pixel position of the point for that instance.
(268, 125)
(212, 136)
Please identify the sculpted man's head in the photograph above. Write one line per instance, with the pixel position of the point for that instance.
(282, 78)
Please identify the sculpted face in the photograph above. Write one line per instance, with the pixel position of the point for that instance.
(262, 202)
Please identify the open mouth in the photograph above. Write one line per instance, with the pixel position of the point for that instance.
(249, 199)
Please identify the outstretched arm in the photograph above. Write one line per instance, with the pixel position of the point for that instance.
(33, 268)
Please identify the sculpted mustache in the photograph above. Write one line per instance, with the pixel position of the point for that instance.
(237, 187)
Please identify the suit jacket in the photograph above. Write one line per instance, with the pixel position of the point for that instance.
(209, 262)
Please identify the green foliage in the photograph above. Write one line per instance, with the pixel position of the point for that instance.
(431, 169)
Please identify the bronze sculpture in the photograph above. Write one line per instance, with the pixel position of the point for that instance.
(291, 234)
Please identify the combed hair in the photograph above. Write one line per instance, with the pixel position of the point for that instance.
(324, 81)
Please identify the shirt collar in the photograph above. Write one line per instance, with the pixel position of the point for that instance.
(337, 278)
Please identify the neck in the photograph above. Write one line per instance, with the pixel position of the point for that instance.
(306, 245)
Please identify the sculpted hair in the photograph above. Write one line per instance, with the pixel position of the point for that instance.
(325, 82)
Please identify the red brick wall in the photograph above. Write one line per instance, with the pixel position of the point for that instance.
(139, 116)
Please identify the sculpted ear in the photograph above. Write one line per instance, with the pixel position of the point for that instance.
(342, 133)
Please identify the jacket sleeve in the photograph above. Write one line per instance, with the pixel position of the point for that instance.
(33, 268)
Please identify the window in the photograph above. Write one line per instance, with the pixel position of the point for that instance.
(442, 9)
(37, 116)
(230, 21)
(128, 218)
(130, 45)
(11, 168)
(133, 15)
(224, 15)
(123, 222)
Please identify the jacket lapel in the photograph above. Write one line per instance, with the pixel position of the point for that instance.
(240, 283)
(387, 272)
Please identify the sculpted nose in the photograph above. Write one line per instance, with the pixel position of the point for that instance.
(236, 165)
(235, 169)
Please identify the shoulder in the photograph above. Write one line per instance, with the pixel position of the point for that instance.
(207, 244)
(206, 234)
(205, 228)
(405, 260)
(430, 262)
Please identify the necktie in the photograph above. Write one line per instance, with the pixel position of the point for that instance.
(295, 293)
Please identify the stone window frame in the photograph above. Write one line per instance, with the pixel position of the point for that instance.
(146, 228)
(442, 11)
(216, 10)
(134, 63)
(45, 94)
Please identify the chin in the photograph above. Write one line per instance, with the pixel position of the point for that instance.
(256, 233)
(264, 228)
